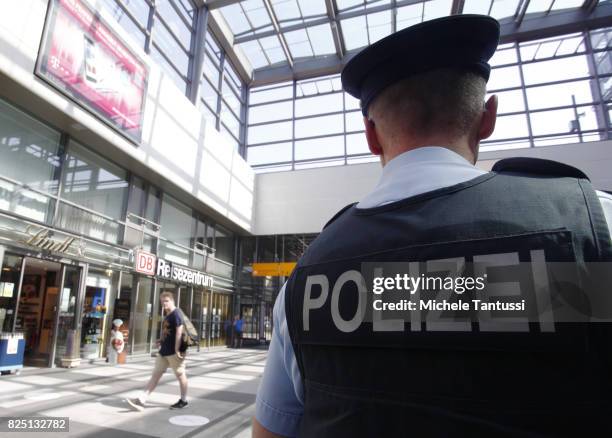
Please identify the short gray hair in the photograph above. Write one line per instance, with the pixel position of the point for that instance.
(448, 100)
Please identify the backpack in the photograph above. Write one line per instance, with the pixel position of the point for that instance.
(190, 334)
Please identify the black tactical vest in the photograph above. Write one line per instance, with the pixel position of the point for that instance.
(464, 380)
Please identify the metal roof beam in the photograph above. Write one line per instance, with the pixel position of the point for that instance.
(522, 9)
(589, 5)
(277, 31)
(332, 9)
(216, 4)
(576, 20)
(339, 16)
(457, 7)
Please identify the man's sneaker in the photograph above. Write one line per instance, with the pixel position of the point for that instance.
(136, 403)
(179, 404)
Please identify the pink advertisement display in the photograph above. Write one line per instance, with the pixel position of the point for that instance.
(83, 57)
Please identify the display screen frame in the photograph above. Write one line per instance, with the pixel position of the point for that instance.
(99, 94)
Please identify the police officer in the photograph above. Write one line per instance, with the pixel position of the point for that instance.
(334, 371)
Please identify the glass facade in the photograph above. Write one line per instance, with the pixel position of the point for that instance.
(551, 91)
(166, 31)
(257, 294)
(222, 94)
(50, 179)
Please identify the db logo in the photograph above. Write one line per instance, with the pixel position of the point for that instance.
(145, 263)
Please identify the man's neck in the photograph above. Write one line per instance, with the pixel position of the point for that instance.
(459, 147)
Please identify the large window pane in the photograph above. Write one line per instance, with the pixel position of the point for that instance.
(174, 22)
(548, 96)
(510, 101)
(505, 77)
(271, 112)
(168, 70)
(354, 121)
(94, 183)
(211, 71)
(209, 94)
(357, 144)
(319, 126)
(270, 132)
(224, 244)
(230, 121)
(278, 152)
(562, 121)
(556, 70)
(510, 127)
(171, 48)
(138, 8)
(28, 150)
(28, 155)
(98, 185)
(271, 93)
(231, 99)
(320, 147)
(318, 105)
(176, 221)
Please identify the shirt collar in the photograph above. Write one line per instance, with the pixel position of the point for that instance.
(427, 154)
(417, 171)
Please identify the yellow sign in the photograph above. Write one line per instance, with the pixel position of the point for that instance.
(273, 269)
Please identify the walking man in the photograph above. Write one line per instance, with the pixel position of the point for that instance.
(238, 322)
(171, 354)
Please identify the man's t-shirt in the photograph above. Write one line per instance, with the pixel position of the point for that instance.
(168, 337)
(238, 325)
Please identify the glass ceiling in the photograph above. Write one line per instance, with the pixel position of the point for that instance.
(282, 32)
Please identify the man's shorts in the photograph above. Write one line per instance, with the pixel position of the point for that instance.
(163, 362)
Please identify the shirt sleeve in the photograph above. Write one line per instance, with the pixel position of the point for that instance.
(279, 405)
(178, 319)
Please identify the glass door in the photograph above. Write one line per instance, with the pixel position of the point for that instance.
(196, 313)
(9, 286)
(204, 328)
(220, 317)
(36, 309)
(66, 336)
(143, 313)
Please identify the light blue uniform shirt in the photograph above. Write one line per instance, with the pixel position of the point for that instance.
(280, 398)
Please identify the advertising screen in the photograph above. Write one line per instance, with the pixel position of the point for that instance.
(81, 56)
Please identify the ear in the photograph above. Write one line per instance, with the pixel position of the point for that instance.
(489, 116)
(372, 137)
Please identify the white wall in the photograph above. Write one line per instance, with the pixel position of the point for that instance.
(179, 152)
(302, 201)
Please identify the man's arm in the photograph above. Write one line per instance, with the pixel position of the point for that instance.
(261, 432)
(178, 340)
(279, 405)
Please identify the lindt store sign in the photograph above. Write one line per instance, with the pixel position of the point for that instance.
(149, 264)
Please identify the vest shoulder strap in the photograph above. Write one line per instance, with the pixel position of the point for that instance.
(538, 166)
(340, 213)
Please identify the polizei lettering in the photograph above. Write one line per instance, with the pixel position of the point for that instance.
(348, 298)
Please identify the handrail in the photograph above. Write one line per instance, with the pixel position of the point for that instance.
(209, 250)
(142, 219)
(61, 200)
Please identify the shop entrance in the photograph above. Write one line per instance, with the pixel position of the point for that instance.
(46, 310)
(36, 310)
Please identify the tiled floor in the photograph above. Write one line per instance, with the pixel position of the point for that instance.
(222, 387)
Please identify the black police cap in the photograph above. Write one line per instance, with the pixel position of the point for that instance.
(460, 41)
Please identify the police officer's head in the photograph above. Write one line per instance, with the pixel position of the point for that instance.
(425, 85)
